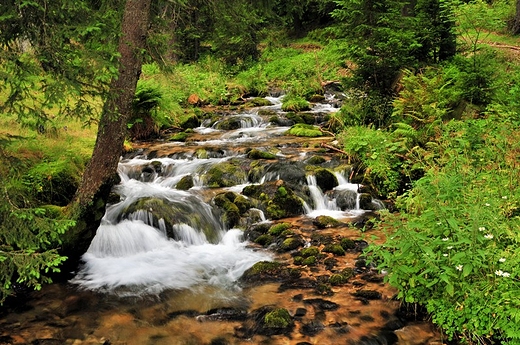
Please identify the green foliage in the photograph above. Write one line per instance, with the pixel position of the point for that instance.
(278, 318)
(378, 151)
(365, 109)
(453, 247)
(295, 103)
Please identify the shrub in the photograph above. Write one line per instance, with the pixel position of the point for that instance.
(452, 247)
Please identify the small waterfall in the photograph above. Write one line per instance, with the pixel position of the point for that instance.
(342, 201)
(157, 237)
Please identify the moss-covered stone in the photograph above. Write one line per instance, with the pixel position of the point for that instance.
(242, 203)
(185, 183)
(258, 102)
(304, 130)
(181, 136)
(269, 271)
(277, 229)
(347, 244)
(335, 249)
(191, 122)
(264, 240)
(310, 251)
(310, 261)
(337, 279)
(257, 154)
(225, 174)
(291, 243)
(316, 160)
(325, 179)
(278, 318)
(322, 222)
(231, 212)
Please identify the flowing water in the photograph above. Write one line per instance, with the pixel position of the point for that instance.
(148, 278)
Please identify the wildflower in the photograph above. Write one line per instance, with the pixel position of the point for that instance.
(439, 223)
(499, 273)
(445, 239)
(488, 236)
(502, 260)
(504, 197)
(506, 274)
(487, 204)
(459, 267)
(482, 228)
(444, 254)
(449, 247)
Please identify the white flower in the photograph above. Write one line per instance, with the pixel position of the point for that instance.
(502, 260)
(482, 228)
(504, 197)
(487, 204)
(439, 223)
(488, 236)
(459, 267)
(445, 239)
(499, 273)
(506, 274)
(444, 254)
(449, 247)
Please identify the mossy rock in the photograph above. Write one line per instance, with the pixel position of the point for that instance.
(225, 174)
(316, 98)
(269, 271)
(264, 240)
(305, 130)
(257, 154)
(310, 261)
(337, 279)
(276, 199)
(347, 244)
(229, 123)
(258, 102)
(322, 222)
(185, 183)
(278, 318)
(191, 122)
(325, 179)
(202, 154)
(316, 160)
(231, 212)
(290, 243)
(243, 203)
(181, 136)
(277, 229)
(266, 112)
(335, 249)
(310, 251)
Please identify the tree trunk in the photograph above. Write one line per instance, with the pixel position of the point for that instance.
(101, 172)
(514, 24)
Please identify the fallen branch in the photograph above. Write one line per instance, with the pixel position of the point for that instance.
(330, 147)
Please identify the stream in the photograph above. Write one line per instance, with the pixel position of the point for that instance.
(167, 263)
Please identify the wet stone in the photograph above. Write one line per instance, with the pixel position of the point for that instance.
(312, 328)
(368, 294)
(300, 312)
(321, 304)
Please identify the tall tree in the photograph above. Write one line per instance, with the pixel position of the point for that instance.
(101, 172)
(514, 24)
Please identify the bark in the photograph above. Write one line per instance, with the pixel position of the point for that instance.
(101, 172)
(514, 24)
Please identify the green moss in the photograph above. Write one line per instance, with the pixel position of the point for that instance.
(304, 130)
(337, 279)
(311, 251)
(258, 102)
(347, 243)
(323, 222)
(264, 240)
(185, 183)
(266, 267)
(277, 229)
(310, 261)
(257, 154)
(242, 203)
(335, 249)
(278, 318)
(181, 136)
(316, 160)
(298, 260)
(290, 243)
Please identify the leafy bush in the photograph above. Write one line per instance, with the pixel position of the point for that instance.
(453, 247)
